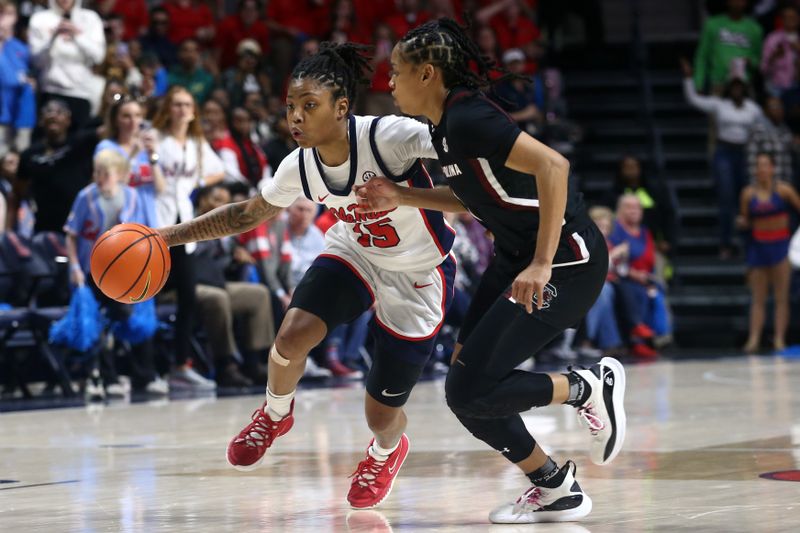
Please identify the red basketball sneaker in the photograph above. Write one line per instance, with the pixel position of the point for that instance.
(247, 449)
(373, 479)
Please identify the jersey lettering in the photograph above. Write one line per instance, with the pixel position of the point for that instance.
(379, 234)
(451, 171)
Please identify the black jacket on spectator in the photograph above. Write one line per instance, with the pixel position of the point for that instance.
(162, 47)
(55, 175)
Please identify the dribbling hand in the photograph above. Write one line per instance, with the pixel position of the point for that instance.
(378, 194)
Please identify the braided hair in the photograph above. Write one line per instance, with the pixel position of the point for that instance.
(445, 44)
(340, 67)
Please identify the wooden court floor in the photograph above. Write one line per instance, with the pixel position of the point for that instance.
(700, 433)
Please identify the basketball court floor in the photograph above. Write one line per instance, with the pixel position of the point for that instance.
(711, 446)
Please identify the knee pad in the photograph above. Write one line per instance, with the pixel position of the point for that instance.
(463, 393)
(506, 435)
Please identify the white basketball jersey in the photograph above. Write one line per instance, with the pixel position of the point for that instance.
(405, 239)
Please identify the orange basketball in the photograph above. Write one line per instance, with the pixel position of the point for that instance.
(130, 263)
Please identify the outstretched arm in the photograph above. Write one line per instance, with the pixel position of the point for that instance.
(226, 220)
(381, 194)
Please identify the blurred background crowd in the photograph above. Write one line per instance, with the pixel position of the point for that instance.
(178, 107)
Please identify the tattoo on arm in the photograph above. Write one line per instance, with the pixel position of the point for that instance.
(226, 220)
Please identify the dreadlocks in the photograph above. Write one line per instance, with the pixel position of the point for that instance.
(341, 67)
(445, 44)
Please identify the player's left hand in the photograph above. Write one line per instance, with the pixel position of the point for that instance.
(529, 282)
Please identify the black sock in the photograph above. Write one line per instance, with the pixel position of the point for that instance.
(579, 389)
(547, 475)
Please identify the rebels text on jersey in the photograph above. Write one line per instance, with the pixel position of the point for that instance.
(473, 141)
(405, 239)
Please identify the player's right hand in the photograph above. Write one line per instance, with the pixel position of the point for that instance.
(378, 194)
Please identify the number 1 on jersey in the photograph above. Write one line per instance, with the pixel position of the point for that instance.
(380, 234)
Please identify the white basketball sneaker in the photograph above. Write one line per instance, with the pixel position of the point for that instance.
(603, 411)
(564, 503)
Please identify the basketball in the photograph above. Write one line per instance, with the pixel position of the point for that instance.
(130, 263)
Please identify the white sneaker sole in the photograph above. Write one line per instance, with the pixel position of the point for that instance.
(374, 505)
(618, 403)
(573, 515)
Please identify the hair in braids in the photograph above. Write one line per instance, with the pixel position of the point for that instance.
(341, 67)
(445, 44)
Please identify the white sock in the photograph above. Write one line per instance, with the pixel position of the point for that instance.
(278, 405)
(381, 454)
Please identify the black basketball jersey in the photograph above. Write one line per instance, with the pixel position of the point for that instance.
(473, 141)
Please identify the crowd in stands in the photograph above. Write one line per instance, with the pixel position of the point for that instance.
(155, 112)
(745, 77)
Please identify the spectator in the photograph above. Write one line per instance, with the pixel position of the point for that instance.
(729, 44)
(291, 22)
(346, 25)
(779, 59)
(254, 103)
(489, 47)
(270, 246)
(282, 143)
(765, 213)
(522, 99)
(643, 299)
(155, 80)
(123, 129)
(98, 207)
(512, 27)
(379, 100)
(773, 136)
(118, 63)
(372, 12)
(553, 15)
(189, 73)
(156, 40)
(56, 168)
(17, 99)
(187, 162)
(19, 215)
(219, 137)
(67, 41)
(656, 198)
(345, 343)
(190, 19)
(253, 164)
(444, 8)
(410, 15)
(246, 76)
(478, 238)
(133, 14)
(245, 24)
(602, 330)
(734, 115)
(114, 89)
(307, 240)
(221, 300)
(9, 162)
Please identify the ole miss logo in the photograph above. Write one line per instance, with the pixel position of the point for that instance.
(368, 175)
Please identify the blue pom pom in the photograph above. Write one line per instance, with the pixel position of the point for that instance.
(81, 327)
